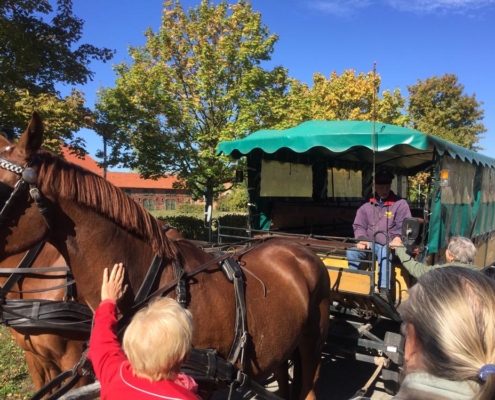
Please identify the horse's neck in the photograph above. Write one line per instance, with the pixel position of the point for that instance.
(91, 243)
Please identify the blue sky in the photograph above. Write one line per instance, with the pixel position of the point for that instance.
(409, 40)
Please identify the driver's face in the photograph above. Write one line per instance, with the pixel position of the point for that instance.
(382, 190)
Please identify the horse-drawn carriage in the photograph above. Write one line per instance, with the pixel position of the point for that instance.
(304, 185)
(307, 182)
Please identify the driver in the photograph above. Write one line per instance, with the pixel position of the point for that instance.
(384, 213)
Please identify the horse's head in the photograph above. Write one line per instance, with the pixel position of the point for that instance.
(21, 223)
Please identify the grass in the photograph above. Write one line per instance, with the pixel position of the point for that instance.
(15, 381)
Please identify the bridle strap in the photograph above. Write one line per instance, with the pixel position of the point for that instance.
(40, 270)
(28, 178)
(149, 279)
(26, 262)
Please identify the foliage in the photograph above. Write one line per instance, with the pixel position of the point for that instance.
(190, 227)
(61, 117)
(345, 97)
(188, 208)
(439, 106)
(233, 221)
(234, 201)
(36, 55)
(196, 82)
(418, 188)
(14, 375)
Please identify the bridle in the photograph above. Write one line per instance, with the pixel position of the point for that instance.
(27, 182)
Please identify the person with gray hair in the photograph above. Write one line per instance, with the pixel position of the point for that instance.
(460, 253)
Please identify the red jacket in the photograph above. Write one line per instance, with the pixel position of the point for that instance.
(114, 371)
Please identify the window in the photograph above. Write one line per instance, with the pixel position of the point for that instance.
(286, 179)
(167, 204)
(173, 205)
(145, 203)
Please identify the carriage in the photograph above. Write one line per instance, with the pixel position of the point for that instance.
(305, 185)
(307, 182)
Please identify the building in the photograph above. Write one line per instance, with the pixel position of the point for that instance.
(151, 194)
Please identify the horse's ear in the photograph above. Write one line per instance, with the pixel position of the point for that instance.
(31, 139)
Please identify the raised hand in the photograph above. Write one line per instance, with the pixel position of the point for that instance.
(111, 288)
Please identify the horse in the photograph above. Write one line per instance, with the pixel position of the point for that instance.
(95, 225)
(47, 352)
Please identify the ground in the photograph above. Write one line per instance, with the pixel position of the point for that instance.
(340, 379)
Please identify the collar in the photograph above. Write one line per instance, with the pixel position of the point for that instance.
(389, 201)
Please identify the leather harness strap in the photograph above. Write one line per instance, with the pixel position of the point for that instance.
(241, 332)
(66, 315)
(26, 262)
(150, 278)
(180, 289)
(32, 271)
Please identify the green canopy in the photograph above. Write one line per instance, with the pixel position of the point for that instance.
(468, 210)
(353, 141)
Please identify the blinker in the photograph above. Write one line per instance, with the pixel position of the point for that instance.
(29, 175)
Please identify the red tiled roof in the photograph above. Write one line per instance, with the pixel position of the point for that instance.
(133, 180)
(126, 180)
(86, 162)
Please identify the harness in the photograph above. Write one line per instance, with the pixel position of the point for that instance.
(204, 365)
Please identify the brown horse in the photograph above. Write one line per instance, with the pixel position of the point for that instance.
(96, 225)
(47, 352)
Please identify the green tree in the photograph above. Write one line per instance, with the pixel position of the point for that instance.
(235, 201)
(349, 96)
(196, 82)
(439, 106)
(36, 54)
(61, 117)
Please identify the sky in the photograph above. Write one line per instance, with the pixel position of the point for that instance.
(408, 39)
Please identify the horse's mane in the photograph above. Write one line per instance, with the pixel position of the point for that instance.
(73, 182)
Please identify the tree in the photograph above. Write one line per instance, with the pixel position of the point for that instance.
(345, 97)
(195, 82)
(61, 117)
(439, 106)
(35, 56)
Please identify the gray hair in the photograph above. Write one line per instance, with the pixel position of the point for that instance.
(457, 347)
(462, 249)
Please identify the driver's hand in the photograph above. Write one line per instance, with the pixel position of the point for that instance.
(363, 245)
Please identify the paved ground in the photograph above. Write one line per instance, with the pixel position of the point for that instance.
(340, 380)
